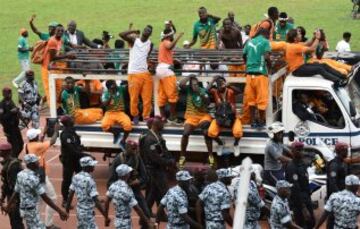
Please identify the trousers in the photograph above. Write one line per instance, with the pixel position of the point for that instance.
(50, 192)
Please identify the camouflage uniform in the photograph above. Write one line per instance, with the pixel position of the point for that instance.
(124, 200)
(29, 92)
(279, 213)
(30, 189)
(216, 198)
(85, 188)
(176, 203)
(345, 206)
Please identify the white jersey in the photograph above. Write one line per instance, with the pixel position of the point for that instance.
(343, 46)
(138, 56)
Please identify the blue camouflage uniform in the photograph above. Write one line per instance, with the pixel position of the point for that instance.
(29, 92)
(124, 200)
(216, 197)
(176, 203)
(279, 213)
(345, 206)
(30, 189)
(85, 188)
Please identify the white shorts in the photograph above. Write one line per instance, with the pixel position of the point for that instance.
(163, 70)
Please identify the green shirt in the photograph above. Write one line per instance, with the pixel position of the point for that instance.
(280, 32)
(117, 101)
(255, 50)
(44, 36)
(206, 32)
(23, 43)
(71, 100)
(194, 102)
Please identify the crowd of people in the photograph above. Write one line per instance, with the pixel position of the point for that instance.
(147, 164)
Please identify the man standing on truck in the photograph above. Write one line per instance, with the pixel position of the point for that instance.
(139, 78)
(282, 27)
(113, 101)
(256, 54)
(225, 115)
(196, 116)
(205, 29)
(275, 154)
(70, 99)
(267, 24)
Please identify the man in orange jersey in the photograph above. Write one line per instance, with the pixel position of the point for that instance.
(139, 78)
(224, 97)
(205, 29)
(267, 24)
(196, 116)
(167, 86)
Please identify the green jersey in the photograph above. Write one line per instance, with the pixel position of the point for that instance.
(280, 32)
(71, 100)
(116, 100)
(44, 36)
(255, 49)
(23, 43)
(194, 102)
(206, 32)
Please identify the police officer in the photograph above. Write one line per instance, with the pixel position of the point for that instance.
(71, 152)
(10, 168)
(344, 205)
(296, 174)
(336, 172)
(9, 118)
(216, 200)
(275, 154)
(124, 200)
(280, 215)
(87, 196)
(29, 188)
(30, 100)
(138, 176)
(176, 203)
(157, 160)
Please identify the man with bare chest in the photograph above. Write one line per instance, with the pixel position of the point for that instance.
(229, 37)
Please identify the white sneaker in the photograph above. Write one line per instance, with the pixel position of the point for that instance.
(220, 149)
(237, 150)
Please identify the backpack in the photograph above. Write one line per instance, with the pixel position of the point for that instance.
(38, 53)
(255, 28)
(224, 114)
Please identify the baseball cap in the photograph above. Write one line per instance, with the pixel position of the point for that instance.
(276, 127)
(186, 42)
(53, 24)
(166, 22)
(283, 184)
(123, 170)
(5, 146)
(87, 161)
(183, 175)
(32, 133)
(297, 145)
(352, 180)
(222, 173)
(30, 158)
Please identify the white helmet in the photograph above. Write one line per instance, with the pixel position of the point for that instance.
(274, 128)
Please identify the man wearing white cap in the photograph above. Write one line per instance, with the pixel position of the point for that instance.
(274, 154)
(177, 204)
(280, 215)
(29, 188)
(216, 201)
(40, 149)
(87, 196)
(124, 200)
(344, 205)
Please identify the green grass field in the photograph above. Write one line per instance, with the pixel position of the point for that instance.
(94, 16)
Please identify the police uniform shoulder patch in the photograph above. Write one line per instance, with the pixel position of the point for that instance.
(295, 177)
(333, 174)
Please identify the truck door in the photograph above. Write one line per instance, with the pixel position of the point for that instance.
(315, 114)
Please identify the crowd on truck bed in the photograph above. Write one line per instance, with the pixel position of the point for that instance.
(147, 164)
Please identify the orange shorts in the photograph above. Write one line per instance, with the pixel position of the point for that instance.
(87, 116)
(167, 91)
(257, 91)
(215, 129)
(195, 120)
(237, 68)
(116, 117)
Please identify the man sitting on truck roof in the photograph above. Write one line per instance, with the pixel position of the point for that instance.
(224, 96)
(114, 104)
(70, 99)
(256, 53)
(196, 116)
